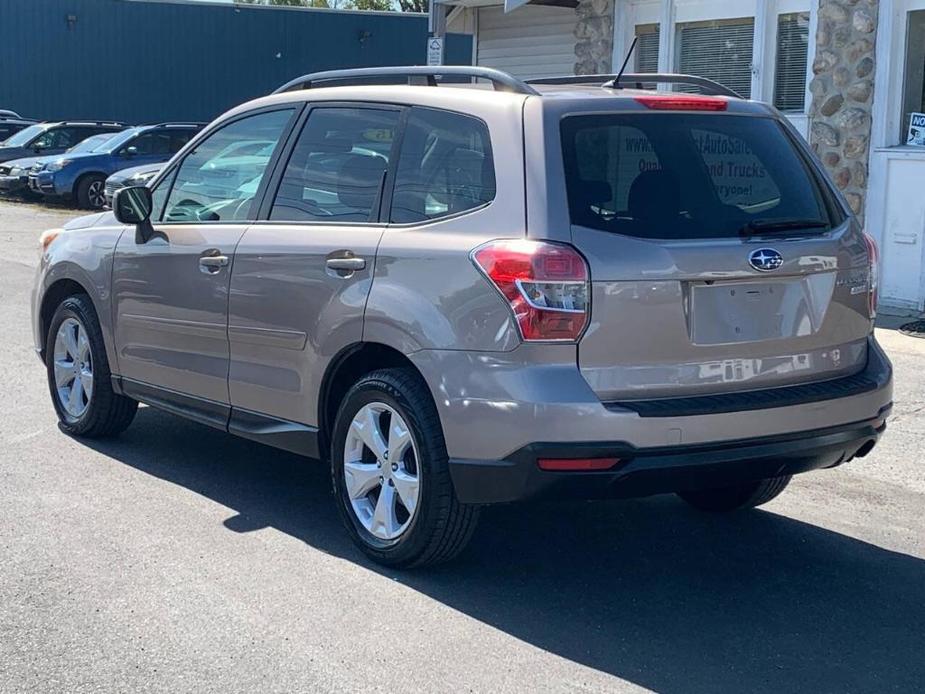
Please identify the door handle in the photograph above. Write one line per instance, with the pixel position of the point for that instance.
(210, 264)
(349, 264)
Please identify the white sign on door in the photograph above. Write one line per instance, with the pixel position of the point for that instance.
(916, 130)
(435, 50)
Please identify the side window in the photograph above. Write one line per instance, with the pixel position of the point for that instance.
(179, 138)
(213, 186)
(739, 177)
(59, 138)
(445, 166)
(337, 167)
(153, 142)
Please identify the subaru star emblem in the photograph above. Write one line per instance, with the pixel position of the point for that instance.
(765, 259)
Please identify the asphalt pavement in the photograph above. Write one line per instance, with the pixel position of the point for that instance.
(176, 558)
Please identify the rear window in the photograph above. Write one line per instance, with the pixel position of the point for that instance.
(670, 176)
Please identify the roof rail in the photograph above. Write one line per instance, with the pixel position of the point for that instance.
(639, 78)
(167, 124)
(501, 81)
(88, 121)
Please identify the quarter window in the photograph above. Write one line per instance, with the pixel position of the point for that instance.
(445, 167)
(338, 166)
(214, 183)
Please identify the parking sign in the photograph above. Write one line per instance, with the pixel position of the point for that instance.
(916, 130)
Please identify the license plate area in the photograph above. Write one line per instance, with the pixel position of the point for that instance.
(751, 311)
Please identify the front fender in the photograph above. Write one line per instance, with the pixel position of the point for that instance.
(83, 256)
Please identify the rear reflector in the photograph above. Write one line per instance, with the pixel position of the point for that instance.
(667, 102)
(576, 464)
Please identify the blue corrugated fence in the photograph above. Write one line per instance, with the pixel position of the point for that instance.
(154, 61)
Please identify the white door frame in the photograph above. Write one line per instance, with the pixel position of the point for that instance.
(887, 148)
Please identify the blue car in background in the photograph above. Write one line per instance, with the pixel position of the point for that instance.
(82, 177)
(14, 175)
(40, 139)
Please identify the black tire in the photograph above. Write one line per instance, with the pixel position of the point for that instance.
(740, 496)
(107, 413)
(89, 192)
(441, 527)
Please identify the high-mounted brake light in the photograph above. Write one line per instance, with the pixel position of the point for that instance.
(873, 274)
(546, 285)
(667, 102)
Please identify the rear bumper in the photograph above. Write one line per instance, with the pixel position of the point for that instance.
(646, 471)
(501, 413)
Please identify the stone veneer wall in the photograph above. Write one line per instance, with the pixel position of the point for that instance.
(843, 93)
(594, 37)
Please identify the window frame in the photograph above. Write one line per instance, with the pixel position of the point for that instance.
(168, 173)
(281, 163)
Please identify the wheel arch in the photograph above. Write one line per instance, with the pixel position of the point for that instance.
(83, 175)
(57, 291)
(345, 369)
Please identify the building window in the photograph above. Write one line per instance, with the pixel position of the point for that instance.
(647, 48)
(719, 50)
(792, 53)
(914, 92)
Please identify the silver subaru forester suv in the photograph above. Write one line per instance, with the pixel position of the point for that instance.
(462, 296)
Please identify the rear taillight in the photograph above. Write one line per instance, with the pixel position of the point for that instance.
(546, 285)
(667, 102)
(873, 274)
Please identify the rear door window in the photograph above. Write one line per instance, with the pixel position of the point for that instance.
(671, 176)
(338, 166)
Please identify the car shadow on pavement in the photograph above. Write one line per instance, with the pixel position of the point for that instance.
(645, 590)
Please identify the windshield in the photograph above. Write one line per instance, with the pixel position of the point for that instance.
(91, 144)
(691, 176)
(23, 136)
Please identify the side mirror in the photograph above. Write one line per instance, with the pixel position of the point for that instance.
(131, 151)
(133, 205)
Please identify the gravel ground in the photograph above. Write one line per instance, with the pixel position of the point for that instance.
(180, 559)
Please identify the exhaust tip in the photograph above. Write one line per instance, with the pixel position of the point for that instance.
(865, 449)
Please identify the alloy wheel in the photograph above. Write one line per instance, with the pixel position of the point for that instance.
(96, 194)
(73, 367)
(381, 471)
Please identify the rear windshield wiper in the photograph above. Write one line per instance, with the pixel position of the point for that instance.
(763, 226)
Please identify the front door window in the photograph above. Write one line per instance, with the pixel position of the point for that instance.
(218, 181)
